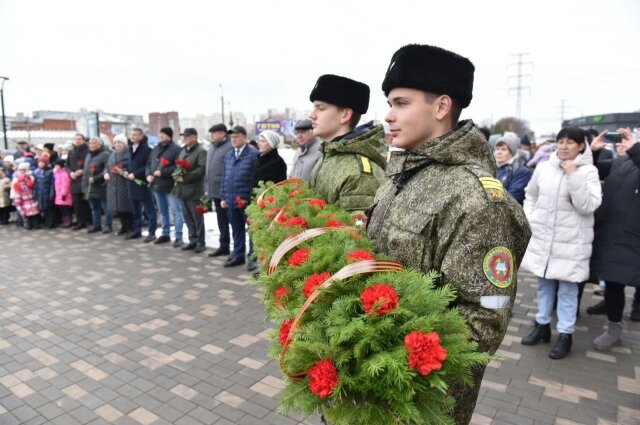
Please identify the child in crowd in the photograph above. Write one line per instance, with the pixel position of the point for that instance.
(5, 202)
(44, 190)
(63, 192)
(22, 186)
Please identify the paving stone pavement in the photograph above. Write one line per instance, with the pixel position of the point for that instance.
(97, 330)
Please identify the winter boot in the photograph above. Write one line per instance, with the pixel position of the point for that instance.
(562, 347)
(537, 334)
(599, 308)
(610, 338)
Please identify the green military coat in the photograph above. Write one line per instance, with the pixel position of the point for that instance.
(444, 210)
(351, 169)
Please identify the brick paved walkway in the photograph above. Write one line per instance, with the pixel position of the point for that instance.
(96, 330)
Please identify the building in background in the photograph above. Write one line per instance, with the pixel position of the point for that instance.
(157, 120)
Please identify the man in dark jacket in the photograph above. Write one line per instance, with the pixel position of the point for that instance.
(237, 184)
(161, 165)
(189, 188)
(75, 163)
(220, 145)
(140, 195)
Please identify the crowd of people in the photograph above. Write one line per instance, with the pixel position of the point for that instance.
(567, 208)
(91, 184)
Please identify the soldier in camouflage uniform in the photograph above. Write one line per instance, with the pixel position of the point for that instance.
(444, 209)
(352, 165)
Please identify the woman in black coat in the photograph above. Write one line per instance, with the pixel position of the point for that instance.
(616, 247)
(117, 187)
(270, 167)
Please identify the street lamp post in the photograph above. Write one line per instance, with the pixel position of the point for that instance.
(4, 122)
(221, 101)
(230, 115)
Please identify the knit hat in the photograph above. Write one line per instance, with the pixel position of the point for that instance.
(49, 146)
(8, 158)
(341, 91)
(168, 131)
(272, 138)
(512, 141)
(431, 69)
(120, 138)
(44, 159)
(24, 166)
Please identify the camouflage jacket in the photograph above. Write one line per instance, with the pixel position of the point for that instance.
(351, 168)
(444, 210)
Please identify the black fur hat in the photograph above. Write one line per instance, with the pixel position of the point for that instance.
(431, 69)
(341, 91)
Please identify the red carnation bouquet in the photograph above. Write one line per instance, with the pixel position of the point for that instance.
(358, 341)
(240, 202)
(182, 168)
(119, 169)
(204, 205)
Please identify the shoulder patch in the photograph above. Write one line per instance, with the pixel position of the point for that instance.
(493, 187)
(498, 266)
(365, 164)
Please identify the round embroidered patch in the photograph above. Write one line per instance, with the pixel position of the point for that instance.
(498, 266)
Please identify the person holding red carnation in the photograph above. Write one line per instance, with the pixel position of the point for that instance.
(160, 168)
(237, 182)
(190, 188)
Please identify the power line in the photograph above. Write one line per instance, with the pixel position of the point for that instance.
(563, 102)
(519, 76)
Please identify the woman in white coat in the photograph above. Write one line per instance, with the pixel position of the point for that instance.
(560, 201)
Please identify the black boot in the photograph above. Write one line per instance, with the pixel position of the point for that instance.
(562, 347)
(537, 334)
(599, 308)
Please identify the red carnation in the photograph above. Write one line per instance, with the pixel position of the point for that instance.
(282, 218)
(80, 164)
(268, 200)
(295, 221)
(93, 168)
(381, 297)
(323, 378)
(334, 223)
(201, 209)
(313, 282)
(184, 164)
(239, 202)
(317, 203)
(271, 213)
(299, 257)
(281, 292)
(295, 192)
(285, 329)
(425, 352)
(164, 162)
(359, 255)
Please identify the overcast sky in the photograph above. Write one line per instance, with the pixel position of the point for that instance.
(138, 57)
